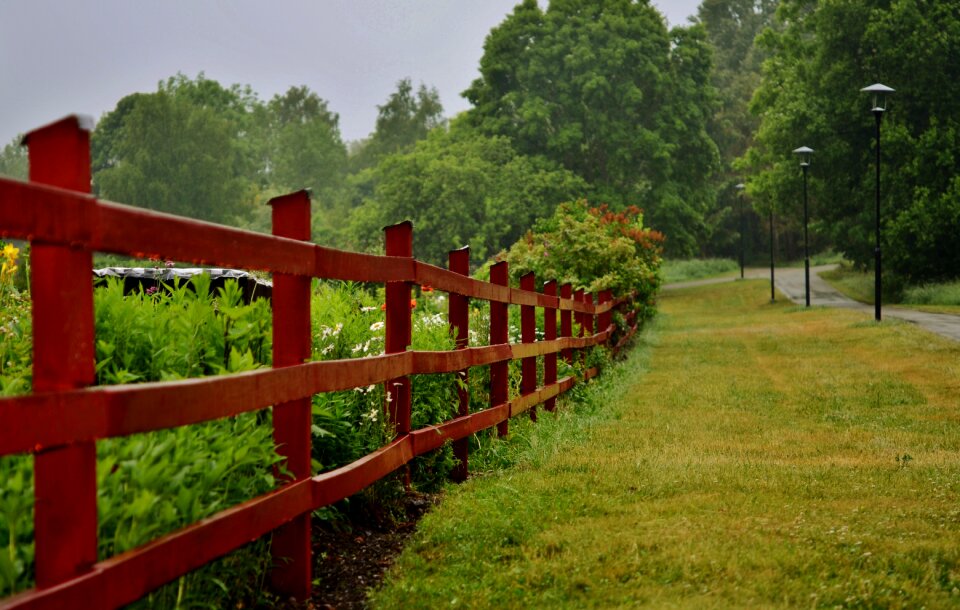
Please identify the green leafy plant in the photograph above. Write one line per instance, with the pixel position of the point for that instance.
(594, 249)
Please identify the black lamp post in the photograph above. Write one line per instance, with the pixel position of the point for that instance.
(740, 188)
(805, 152)
(879, 92)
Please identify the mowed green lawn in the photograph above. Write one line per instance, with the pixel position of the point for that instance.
(746, 455)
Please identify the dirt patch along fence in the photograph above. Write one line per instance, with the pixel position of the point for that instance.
(61, 421)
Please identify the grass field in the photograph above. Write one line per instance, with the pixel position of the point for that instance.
(745, 455)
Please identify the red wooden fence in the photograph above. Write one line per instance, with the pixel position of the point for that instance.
(62, 420)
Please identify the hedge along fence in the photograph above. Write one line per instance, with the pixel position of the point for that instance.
(63, 418)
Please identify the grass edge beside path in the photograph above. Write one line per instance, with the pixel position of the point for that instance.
(528, 446)
(757, 456)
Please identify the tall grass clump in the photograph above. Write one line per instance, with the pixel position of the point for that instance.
(933, 294)
(697, 268)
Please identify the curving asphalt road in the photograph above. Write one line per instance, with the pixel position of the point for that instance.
(789, 282)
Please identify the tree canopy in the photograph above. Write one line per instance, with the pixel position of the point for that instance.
(603, 89)
(820, 55)
(462, 188)
(405, 118)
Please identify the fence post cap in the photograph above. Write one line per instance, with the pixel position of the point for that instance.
(407, 222)
(308, 193)
(83, 122)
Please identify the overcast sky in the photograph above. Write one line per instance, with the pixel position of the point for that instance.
(61, 57)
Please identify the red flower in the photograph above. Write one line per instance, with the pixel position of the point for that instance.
(427, 289)
(383, 307)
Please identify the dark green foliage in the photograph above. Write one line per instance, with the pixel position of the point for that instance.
(731, 27)
(604, 90)
(462, 188)
(174, 156)
(820, 56)
(196, 148)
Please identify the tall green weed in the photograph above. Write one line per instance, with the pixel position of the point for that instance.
(947, 293)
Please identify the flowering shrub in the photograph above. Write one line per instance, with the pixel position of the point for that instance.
(594, 249)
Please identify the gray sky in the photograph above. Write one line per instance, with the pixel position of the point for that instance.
(59, 57)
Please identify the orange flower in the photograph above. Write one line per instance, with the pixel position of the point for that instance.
(426, 289)
(413, 303)
(383, 307)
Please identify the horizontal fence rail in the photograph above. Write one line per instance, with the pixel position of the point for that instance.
(60, 422)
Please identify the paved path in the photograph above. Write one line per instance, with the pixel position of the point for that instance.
(789, 281)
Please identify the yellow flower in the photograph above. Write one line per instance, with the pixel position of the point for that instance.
(7, 269)
(10, 252)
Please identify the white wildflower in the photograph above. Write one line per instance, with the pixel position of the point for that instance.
(376, 326)
(327, 349)
(367, 309)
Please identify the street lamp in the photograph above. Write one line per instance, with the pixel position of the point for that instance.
(804, 152)
(740, 188)
(879, 107)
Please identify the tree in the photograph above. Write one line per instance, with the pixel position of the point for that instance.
(402, 121)
(820, 55)
(604, 90)
(13, 160)
(305, 150)
(171, 155)
(732, 27)
(461, 188)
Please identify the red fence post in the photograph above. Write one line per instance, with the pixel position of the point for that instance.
(589, 318)
(458, 315)
(61, 285)
(528, 334)
(566, 321)
(606, 317)
(399, 239)
(581, 318)
(499, 371)
(549, 334)
(292, 573)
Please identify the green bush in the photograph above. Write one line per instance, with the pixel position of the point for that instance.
(594, 249)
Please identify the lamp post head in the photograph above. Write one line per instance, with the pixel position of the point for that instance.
(880, 92)
(804, 152)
